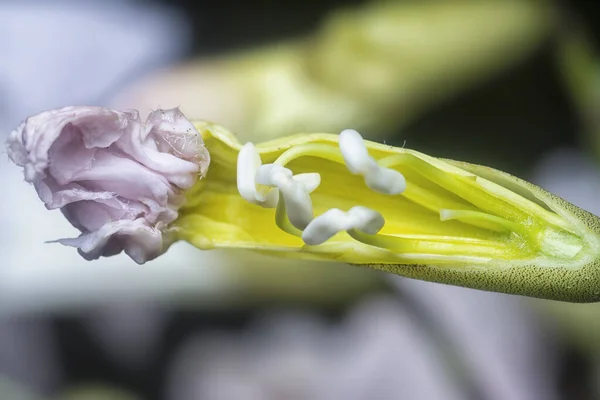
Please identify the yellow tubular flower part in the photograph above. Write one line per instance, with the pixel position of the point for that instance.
(452, 222)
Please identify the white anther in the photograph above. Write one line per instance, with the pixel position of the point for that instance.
(248, 163)
(355, 153)
(334, 220)
(295, 192)
(386, 181)
(310, 180)
(294, 189)
(357, 159)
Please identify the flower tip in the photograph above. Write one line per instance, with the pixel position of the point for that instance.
(180, 136)
(118, 179)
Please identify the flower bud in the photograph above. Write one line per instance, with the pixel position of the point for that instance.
(116, 178)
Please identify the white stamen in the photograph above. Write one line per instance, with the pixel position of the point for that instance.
(248, 163)
(253, 178)
(298, 204)
(355, 153)
(357, 159)
(294, 189)
(310, 180)
(334, 220)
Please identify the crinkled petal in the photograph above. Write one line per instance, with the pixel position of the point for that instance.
(118, 179)
(141, 242)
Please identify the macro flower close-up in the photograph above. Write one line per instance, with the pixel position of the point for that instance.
(351, 199)
(137, 187)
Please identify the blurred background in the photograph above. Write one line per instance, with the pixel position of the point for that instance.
(513, 84)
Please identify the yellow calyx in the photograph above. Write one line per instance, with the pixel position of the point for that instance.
(445, 215)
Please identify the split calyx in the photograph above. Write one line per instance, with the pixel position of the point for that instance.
(397, 206)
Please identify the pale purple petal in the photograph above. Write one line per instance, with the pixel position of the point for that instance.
(118, 179)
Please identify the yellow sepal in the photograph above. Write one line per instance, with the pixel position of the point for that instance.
(456, 222)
